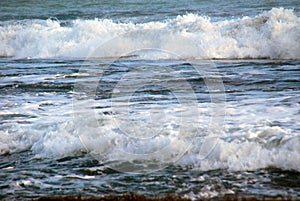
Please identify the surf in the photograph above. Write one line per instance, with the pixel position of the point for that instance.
(273, 34)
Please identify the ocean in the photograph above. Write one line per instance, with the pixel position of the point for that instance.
(199, 99)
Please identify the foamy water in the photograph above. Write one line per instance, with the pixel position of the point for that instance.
(150, 98)
(264, 126)
(272, 34)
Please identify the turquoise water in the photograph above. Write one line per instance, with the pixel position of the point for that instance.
(194, 98)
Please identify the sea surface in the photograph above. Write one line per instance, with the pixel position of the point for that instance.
(199, 99)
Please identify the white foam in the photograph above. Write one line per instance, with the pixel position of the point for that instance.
(264, 146)
(250, 140)
(252, 155)
(15, 140)
(86, 177)
(273, 34)
(57, 141)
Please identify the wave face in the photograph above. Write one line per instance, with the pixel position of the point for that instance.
(274, 34)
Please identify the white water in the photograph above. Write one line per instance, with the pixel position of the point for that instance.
(250, 143)
(274, 34)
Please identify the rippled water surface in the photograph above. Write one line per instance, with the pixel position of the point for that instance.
(195, 98)
(41, 154)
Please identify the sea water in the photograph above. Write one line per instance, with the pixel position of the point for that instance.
(194, 98)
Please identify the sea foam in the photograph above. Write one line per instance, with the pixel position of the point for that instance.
(273, 34)
(248, 149)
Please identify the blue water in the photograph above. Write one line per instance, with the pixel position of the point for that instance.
(194, 98)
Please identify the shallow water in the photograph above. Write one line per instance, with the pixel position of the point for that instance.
(157, 98)
(257, 152)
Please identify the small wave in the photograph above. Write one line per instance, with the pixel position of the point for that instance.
(250, 155)
(273, 34)
(268, 147)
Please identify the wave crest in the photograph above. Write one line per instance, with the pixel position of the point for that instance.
(274, 34)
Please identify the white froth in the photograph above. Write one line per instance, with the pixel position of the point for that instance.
(266, 146)
(251, 155)
(274, 34)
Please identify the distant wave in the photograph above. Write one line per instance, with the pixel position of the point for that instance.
(274, 34)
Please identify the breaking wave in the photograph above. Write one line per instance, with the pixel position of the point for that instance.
(273, 34)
